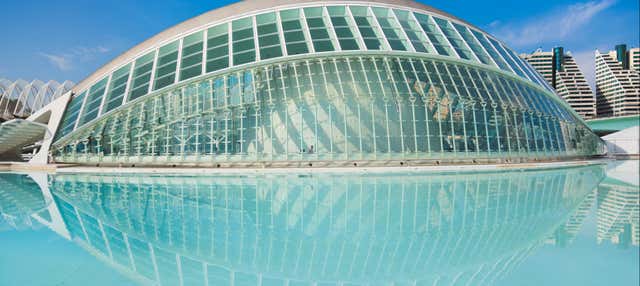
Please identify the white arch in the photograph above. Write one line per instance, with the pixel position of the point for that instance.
(27, 97)
(11, 94)
(44, 95)
(22, 98)
(63, 88)
(4, 87)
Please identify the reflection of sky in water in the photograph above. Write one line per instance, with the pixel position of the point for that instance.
(510, 227)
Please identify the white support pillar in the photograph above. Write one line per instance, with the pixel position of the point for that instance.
(54, 111)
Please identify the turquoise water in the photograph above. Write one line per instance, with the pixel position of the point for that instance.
(562, 226)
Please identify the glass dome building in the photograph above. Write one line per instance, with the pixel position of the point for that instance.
(322, 83)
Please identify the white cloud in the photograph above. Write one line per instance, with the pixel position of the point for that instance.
(65, 61)
(84, 52)
(553, 26)
(494, 24)
(62, 62)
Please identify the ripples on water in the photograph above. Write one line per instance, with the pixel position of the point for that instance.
(417, 228)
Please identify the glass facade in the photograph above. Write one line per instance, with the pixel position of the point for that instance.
(286, 85)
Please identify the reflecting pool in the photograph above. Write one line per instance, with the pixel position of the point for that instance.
(557, 226)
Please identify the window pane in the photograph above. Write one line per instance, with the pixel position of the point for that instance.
(191, 56)
(454, 39)
(473, 44)
(390, 29)
(268, 38)
(70, 115)
(218, 47)
(243, 42)
(117, 88)
(413, 31)
(318, 29)
(438, 41)
(141, 76)
(293, 35)
(492, 52)
(364, 22)
(345, 35)
(165, 73)
(93, 101)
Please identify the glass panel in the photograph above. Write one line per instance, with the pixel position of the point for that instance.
(344, 27)
(141, 76)
(268, 37)
(454, 39)
(412, 29)
(492, 52)
(506, 57)
(293, 34)
(473, 44)
(364, 21)
(191, 63)
(92, 104)
(165, 73)
(117, 88)
(243, 42)
(438, 41)
(390, 29)
(218, 48)
(70, 115)
(318, 30)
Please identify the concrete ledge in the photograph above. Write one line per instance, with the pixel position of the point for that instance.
(370, 169)
(248, 163)
(26, 167)
(626, 156)
(306, 167)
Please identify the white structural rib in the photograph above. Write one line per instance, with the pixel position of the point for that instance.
(21, 98)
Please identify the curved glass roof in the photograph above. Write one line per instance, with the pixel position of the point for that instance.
(294, 31)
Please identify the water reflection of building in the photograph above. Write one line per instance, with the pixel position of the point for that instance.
(20, 197)
(27, 203)
(617, 209)
(618, 212)
(566, 233)
(275, 229)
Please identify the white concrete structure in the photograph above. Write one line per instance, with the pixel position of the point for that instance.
(37, 128)
(618, 82)
(566, 78)
(50, 115)
(625, 143)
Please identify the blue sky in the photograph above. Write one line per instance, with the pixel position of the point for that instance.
(70, 39)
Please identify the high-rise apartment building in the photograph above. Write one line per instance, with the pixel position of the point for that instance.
(562, 73)
(618, 82)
